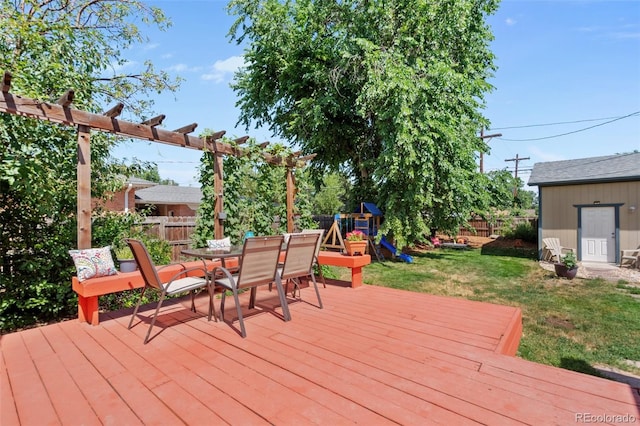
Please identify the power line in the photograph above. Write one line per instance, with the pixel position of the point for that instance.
(572, 132)
(561, 122)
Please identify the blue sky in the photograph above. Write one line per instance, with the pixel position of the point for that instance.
(568, 72)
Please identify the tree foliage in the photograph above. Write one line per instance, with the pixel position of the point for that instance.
(50, 47)
(391, 91)
(503, 191)
(331, 198)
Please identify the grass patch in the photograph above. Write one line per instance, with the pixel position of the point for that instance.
(568, 324)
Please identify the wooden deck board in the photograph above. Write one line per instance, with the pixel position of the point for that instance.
(373, 355)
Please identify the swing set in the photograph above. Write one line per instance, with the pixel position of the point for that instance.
(366, 220)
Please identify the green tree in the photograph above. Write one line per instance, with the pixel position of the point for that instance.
(391, 91)
(331, 198)
(50, 47)
(500, 189)
(506, 192)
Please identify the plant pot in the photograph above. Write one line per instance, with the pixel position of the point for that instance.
(563, 271)
(355, 248)
(127, 265)
(571, 273)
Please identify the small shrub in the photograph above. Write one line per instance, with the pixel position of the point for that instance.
(522, 231)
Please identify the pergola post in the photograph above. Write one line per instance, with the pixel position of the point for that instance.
(218, 226)
(291, 189)
(84, 187)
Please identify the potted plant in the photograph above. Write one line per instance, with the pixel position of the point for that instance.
(125, 259)
(567, 267)
(355, 243)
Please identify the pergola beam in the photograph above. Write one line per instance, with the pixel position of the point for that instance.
(189, 128)
(114, 111)
(307, 157)
(62, 113)
(6, 82)
(66, 99)
(155, 121)
(241, 140)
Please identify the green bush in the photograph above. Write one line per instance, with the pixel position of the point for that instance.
(522, 231)
(112, 228)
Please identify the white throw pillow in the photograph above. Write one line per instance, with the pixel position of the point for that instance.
(93, 263)
(222, 244)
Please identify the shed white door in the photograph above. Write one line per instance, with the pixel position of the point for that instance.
(598, 234)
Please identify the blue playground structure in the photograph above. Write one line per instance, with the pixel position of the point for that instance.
(402, 256)
(366, 219)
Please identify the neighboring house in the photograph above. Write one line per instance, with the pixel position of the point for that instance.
(590, 204)
(169, 200)
(123, 200)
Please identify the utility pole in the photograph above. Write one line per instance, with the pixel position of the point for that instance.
(483, 137)
(517, 160)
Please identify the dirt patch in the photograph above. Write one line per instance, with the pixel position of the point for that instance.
(558, 322)
(479, 242)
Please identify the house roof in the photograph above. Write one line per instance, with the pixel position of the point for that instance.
(169, 194)
(611, 168)
(137, 182)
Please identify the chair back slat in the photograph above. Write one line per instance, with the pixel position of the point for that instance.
(259, 261)
(300, 255)
(145, 263)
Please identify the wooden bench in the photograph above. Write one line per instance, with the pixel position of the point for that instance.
(356, 263)
(89, 290)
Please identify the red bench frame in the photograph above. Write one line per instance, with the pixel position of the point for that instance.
(356, 263)
(89, 290)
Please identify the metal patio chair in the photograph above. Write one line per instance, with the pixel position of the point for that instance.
(299, 260)
(259, 266)
(320, 233)
(175, 285)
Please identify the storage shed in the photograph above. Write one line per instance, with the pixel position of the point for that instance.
(590, 204)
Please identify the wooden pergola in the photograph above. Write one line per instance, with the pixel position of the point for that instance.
(62, 112)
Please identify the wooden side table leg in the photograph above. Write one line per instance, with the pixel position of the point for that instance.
(88, 310)
(356, 277)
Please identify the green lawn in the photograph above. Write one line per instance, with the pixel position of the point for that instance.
(569, 324)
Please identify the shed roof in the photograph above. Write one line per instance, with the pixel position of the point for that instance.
(169, 194)
(610, 168)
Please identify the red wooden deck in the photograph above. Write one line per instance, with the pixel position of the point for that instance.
(373, 356)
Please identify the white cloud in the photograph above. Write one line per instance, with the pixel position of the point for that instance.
(545, 155)
(510, 21)
(150, 46)
(220, 70)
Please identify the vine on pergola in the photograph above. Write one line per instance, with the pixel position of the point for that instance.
(254, 194)
(63, 112)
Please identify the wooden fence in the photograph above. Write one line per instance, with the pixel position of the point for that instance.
(486, 229)
(481, 226)
(176, 230)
